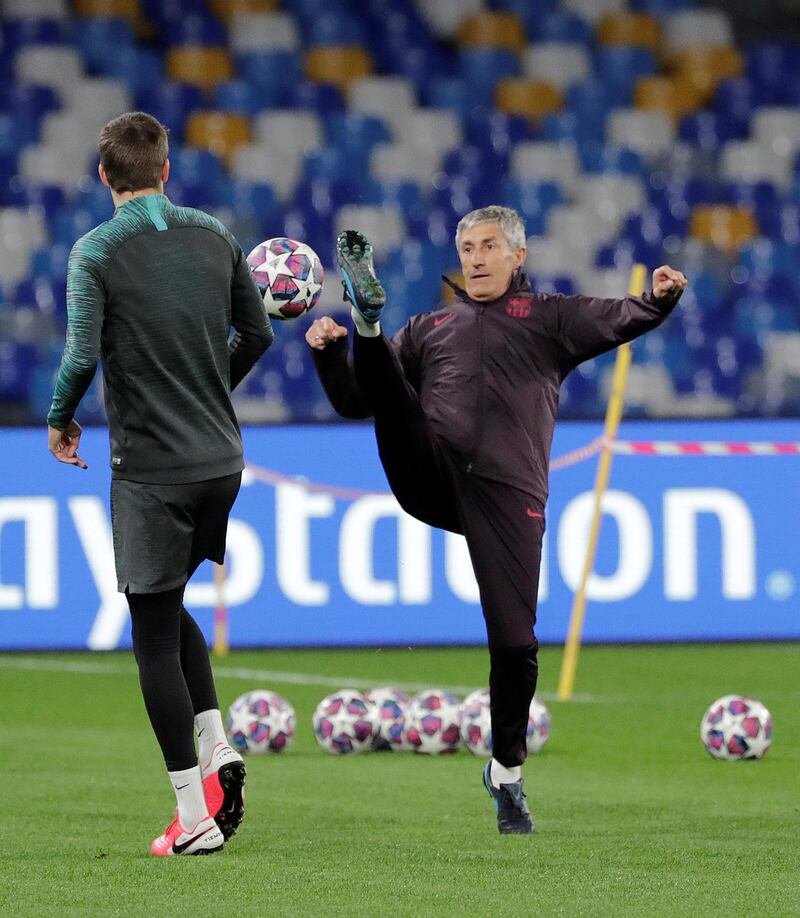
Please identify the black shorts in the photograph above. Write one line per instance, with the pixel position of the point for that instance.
(162, 532)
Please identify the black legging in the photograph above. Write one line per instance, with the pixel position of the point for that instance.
(174, 671)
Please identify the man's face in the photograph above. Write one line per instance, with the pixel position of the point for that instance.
(487, 261)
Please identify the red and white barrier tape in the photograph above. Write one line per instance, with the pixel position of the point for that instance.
(703, 448)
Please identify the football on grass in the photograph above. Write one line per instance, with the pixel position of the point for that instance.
(345, 722)
(289, 275)
(736, 727)
(392, 705)
(432, 723)
(260, 722)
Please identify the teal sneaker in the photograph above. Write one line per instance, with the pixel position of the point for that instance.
(513, 815)
(361, 287)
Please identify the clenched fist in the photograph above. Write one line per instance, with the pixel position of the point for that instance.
(666, 279)
(323, 331)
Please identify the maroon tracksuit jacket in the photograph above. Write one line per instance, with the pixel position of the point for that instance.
(488, 374)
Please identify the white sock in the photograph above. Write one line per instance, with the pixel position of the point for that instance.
(188, 787)
(364, 328)
(209, 729)
(502, 775)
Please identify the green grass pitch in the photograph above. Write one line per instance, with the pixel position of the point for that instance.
(634, 818)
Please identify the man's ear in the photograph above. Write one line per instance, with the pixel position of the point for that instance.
(520, 255)
(103, 177)
(165, 172)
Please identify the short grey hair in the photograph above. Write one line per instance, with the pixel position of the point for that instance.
(506, 218)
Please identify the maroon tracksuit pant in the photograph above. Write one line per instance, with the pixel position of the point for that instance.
(503, 527)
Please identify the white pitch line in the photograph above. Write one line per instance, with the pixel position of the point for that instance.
(80, 667)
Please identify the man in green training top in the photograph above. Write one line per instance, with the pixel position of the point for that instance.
(154, 293)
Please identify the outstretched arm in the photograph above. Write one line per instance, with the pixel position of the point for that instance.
(328, 342)
(589, 326)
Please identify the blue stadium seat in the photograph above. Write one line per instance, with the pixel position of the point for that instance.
(322, 98)
(709, 130)
(171, 103)
(595, 98)
(316, 227)
(70, 223)
(47, 296)
(532, 200)
(326, 194)
(11, 137)
(274, 74)
(496, 133)
(99, 39)
(481, 68)
(620, 66)
(595, 156)
(580, 396)
(333, 27)
(19, 192)
(558, 26)
(768, 66)
(735, 100)
(140, 68)
(769, 256)
(50, 262)
(407, 196)
(194, 28)
(661, 7)
(237, 96)
(17, 363)
(449, 92)
(334, 164)
(17, 33)
(27, 104)
(781, 223)
(757, 316)
(355, 134)
(572, 127)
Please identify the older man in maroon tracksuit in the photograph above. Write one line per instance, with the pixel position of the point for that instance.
(464, 400)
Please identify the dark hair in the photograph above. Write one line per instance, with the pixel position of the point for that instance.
(133, 148)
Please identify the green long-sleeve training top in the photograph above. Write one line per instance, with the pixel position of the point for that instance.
(154, 293)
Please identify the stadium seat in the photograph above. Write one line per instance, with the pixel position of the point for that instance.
(123, 9)
(237, 96)
(750, 161)
(708, 130)
(56, 66)
(387, 97)
(674, 96)
(620, 66)
(777, 128)
(98, 99)
(596, 156)
(560, 26)
(531, 99)
(558, 63)
(263, 32)
(432, 131)
(356, 134)
(220, 132)
(273, 74)
(480, 69)
(639, 30)
(708, 28)
(35, 9)
(705, 68)
(21, 33)
(403, 162)
(321, 98)
(444, 17)
(593, 10)
(337, 64)
(725, 227)
(581, 226)
(572, 127)
(492, 30)
(552, 162)
(199, 66)
(258, 163)
(287, 131)
(229, 9)
(648, 133)
(64, 168)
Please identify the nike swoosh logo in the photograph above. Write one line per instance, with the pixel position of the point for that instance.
(181, 787)
(178, 849)
(201, 732)
(443, 318)
(535, 516)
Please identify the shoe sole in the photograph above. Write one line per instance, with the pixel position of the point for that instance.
(354, 256)
(231, 813)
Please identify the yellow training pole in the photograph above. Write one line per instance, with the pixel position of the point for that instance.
(572, 648)
(221, 641)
